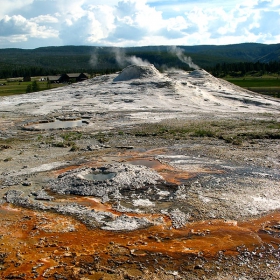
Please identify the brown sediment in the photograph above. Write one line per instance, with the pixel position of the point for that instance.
(65, 169)
(73, 167)
(94, 203)
(40, 243)
(169, 173)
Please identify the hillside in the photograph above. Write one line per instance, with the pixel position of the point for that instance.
(90, 58)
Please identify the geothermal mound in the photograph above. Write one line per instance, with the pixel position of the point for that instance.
(124, 176)
(137, 72)
(199, 73)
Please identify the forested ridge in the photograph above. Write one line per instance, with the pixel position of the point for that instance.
(242, 68)
(233, 60)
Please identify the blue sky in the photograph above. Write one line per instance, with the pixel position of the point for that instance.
(37, 23)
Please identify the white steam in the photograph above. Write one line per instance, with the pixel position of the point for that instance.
(123, 60)
(137, 60)
(185, 59)
(93, 60)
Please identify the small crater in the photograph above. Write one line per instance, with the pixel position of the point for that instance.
(99, 176)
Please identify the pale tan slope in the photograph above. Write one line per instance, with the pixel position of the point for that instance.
(143, 91)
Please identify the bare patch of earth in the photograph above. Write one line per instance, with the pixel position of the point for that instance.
(194, 207)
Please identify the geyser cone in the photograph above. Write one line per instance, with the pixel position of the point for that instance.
(137, 72)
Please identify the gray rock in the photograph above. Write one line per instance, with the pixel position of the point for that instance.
(179, 219)
(16, 197)
(127, 177)
(42, 195)
(127, 223)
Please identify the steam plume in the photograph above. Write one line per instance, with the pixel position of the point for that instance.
(123, 60)
(93, 59)
(185, 59)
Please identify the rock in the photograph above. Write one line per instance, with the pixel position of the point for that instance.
(42, 195)
(93, 147)
(127, 176)
(143, 202)
(127, 223)
(16, 197)
(179, 219)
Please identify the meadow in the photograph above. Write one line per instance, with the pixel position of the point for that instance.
(15, 86)
(268, 85)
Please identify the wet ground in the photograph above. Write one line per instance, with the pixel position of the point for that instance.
(46, 246)
(168, 176)
(210, 212)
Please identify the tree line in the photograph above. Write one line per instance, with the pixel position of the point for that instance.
(242, 68)
(28, 71)
(105, 63)
(161, 62)
(33, 71)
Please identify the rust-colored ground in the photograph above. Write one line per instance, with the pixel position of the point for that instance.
(42, 244)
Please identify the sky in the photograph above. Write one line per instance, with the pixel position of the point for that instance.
(31, 24)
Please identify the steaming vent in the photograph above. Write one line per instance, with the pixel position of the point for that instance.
(137, 72)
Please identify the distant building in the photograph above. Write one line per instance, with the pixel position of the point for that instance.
(78, 77)
(66, 78)
(54, 79)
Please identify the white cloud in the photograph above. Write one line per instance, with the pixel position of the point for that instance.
(18, 28)
(18, 38)
(96, 24)
(8, 6)
(177, 23)
(136, 19)
(45, 19)
(141, 22)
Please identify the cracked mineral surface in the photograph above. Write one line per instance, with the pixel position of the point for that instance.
(172, 175)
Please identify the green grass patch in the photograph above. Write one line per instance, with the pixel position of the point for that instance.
(203, 133)
(15, 87)
(255, 82)
(71, 136)
(266, 85)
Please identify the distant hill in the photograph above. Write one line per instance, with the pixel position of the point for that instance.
(246, 52)
(89, 59)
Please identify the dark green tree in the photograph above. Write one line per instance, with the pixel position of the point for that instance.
(35, 86)
(28, 89)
